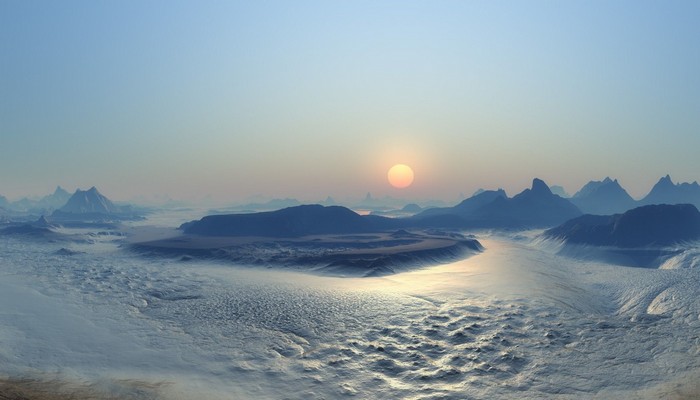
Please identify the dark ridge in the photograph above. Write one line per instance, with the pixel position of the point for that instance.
(467, 207)
(290, 222)
(534, 207)
(653, 225)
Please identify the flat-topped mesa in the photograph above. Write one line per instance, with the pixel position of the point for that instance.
(290, 222)
(652, 225)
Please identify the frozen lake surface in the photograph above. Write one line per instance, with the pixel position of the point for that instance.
(517, 321)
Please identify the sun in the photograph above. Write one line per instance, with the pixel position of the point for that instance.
(400, 176)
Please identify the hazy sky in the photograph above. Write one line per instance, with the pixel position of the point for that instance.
(309, 99)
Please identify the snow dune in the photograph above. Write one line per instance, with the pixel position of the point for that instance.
(515, 321)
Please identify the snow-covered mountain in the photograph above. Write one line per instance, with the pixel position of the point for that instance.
(89, 202)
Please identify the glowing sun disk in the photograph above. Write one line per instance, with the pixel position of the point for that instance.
(400, 176)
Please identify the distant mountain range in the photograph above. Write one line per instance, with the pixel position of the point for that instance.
(534, 207)
(538, 206)
(608, 197)
(43, 205)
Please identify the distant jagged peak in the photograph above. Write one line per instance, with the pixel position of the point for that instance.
(664, 182)
(539, 187)
(559, 191)
(60, 191)
(688, 185)
(89, 201)
(611, 182)
(484, 195)
(594, 187)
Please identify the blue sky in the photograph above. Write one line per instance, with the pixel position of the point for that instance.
(309, 99)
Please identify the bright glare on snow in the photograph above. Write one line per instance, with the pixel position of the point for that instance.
(514, 321)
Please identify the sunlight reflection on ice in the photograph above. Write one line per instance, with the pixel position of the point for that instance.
(516, 319)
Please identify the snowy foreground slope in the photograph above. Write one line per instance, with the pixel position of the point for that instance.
(517, 321)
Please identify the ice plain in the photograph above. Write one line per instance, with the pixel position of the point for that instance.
(516, 321)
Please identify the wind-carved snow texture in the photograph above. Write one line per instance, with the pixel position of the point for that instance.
(515, 321)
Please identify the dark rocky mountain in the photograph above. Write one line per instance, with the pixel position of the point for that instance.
(534, 207)
(652, 225)
(604, 197)
(666, 192)
(290, 222)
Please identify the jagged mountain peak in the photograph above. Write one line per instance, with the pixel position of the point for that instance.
(665, 181)
(60, 191)
(89, 201)
(538, 186)
(666, 192)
